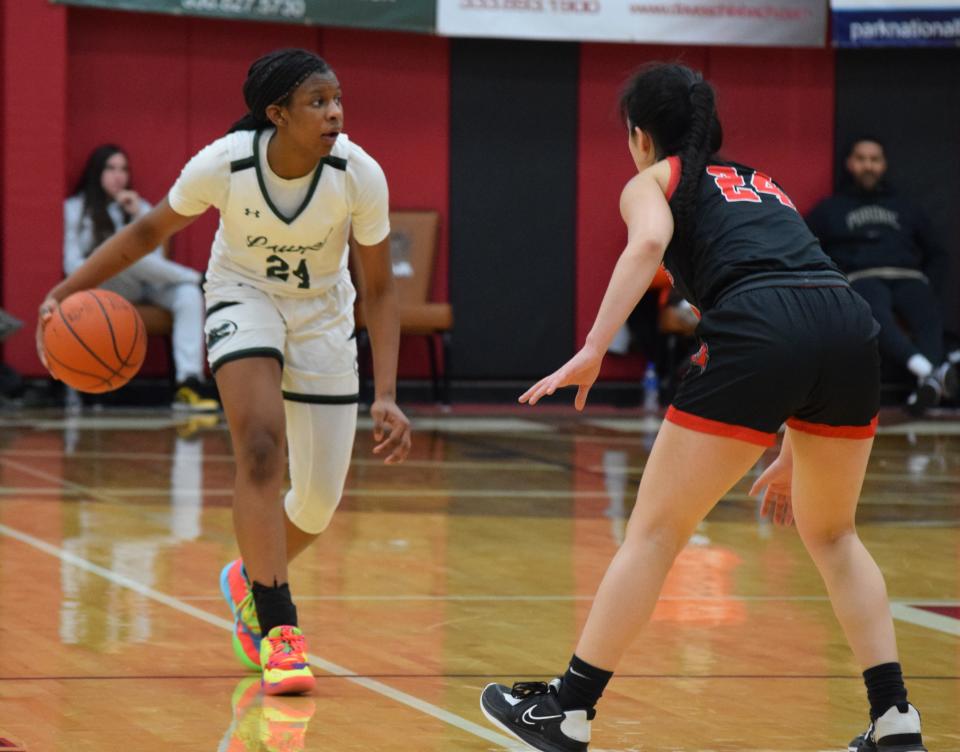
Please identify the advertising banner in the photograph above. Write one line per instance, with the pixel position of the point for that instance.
(896, 23)
(401, 15)
(795, 23)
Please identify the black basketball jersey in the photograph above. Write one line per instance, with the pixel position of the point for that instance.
(746, 226)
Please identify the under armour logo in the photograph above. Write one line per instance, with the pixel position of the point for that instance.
(254, 212)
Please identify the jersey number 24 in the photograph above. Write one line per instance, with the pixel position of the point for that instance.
(734, 187)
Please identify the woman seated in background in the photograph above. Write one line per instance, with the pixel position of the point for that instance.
(101, 204)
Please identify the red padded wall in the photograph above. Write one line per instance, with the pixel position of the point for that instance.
(162, 87)
(34, 101)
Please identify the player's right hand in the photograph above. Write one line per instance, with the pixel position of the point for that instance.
(47, 309)
(580, 371)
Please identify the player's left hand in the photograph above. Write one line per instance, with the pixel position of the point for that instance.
(776, 482)
(391, 428)
(47, 309)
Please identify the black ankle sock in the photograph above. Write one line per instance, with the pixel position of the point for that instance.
(274, 606)
(884, 688)
(582, 685)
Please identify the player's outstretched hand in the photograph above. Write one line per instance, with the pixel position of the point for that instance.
(775, 483)
(580, 371)
(391, 429)
(47, 307)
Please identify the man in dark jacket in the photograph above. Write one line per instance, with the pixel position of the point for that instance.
(882, 242)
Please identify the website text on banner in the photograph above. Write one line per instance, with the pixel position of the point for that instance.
(402, 15)
(794, 23)
(896, 23)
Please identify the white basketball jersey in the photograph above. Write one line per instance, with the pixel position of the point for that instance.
(301, 254)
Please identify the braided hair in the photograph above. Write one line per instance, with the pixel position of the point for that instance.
(95, 200)
(272, 79)
(677, 108)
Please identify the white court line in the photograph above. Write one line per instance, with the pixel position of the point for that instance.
(927, 619)
(430, 493)
(568, 598)
(872, 476)
(647, 424)
(931, 498)
(331, 668)
(517, 465)
(73, 489)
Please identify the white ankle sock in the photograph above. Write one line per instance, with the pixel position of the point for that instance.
(920, 366)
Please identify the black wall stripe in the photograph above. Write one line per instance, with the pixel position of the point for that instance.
(513, 160)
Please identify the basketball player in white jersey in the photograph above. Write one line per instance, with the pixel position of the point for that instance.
(290, 188)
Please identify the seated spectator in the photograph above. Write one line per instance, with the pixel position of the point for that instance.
(102, 204)
(882, 242)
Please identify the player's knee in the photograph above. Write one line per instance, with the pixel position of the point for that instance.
(311, 512)
(260, 456)
(667, 534)
(824, 537)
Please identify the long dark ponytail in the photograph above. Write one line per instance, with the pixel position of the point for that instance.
(272, 79)
(677, 108)
(95, 200)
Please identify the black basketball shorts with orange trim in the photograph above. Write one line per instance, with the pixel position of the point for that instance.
(805, 356)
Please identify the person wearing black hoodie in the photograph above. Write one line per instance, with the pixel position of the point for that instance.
(882, 242)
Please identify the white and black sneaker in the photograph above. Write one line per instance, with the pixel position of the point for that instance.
(531, 712)
(897, 730)
(942, 384)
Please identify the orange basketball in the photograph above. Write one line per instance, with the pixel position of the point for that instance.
(95, 341)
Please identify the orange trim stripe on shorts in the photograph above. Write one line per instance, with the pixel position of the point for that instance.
(835, 432)
(716, 428)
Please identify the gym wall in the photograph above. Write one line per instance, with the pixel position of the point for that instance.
(517, 144)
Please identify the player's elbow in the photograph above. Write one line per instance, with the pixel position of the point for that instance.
(378, 288)
(147, 233)
(643, 249)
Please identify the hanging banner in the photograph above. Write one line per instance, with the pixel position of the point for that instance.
(793, 23)
(896, 23)
(401, 15)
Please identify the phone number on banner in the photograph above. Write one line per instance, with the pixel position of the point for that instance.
(535, 6)
(268, 8)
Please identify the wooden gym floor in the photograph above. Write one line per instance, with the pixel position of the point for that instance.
(473, 562)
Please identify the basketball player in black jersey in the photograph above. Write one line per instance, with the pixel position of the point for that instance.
(784, 340)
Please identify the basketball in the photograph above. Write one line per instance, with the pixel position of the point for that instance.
(95, 341)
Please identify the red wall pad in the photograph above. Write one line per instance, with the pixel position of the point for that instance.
(34, 53)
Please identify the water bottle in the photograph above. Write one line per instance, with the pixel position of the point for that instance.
(651, 389)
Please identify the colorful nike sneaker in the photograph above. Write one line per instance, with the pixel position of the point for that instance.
(246, 628)
(243, 734)
(283, 658)
(283, 723)
(266, 724)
